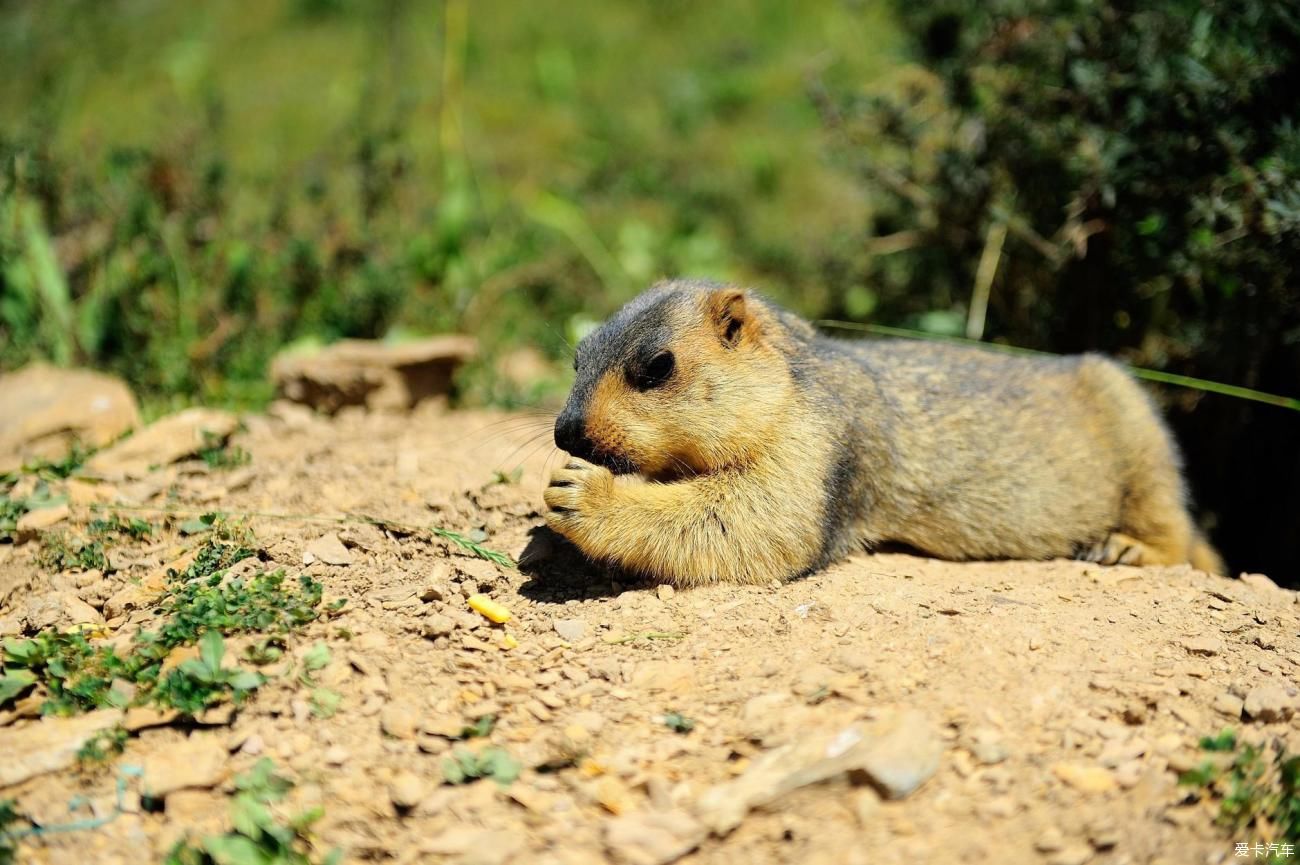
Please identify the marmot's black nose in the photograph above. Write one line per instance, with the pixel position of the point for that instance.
(571, 435)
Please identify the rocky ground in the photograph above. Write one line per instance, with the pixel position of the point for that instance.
(891, 708)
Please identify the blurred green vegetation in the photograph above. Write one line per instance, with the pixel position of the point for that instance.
(187, 188)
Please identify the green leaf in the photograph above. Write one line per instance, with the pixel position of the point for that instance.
(316, 657)
(245, 680)
(678, 723)
(194, 527)
(195, 668)
(249, 816)
(303, 821)
(453, 772)
(211, 648)
(503, 768)
(24, 652)
(14, 683)
(1225, 741)
(480, 728)
(236, 850)
(324, 702)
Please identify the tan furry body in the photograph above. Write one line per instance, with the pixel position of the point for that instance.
(768, 450)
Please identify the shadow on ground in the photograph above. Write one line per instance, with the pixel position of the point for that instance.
(559, 572)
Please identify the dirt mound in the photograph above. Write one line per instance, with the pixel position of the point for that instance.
(892, 708)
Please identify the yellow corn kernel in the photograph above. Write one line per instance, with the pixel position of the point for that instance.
(489, 609)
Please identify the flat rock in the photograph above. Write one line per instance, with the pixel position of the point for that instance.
(47, 409)
(328, 549)
(33, 523)
(406, 790)
(1206, 646)
(673, 676)
(1259, 581)
(1270, 703)
(570, 630)
(161, 443)
(1085, 779)
(1228, 704)
(59, 610)
(49, 744)
(469, 845)
(198, 762)
(653, 837)
(896, 754)
(371, 373)
(135, 597)
(399, 721)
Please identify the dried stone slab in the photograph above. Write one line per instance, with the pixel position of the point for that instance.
(896, 755)
(653, 837)
(378, 375)
(197, 762)
(46, 409)
(161, 443)
(49, 744)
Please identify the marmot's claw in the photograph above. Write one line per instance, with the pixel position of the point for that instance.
(1116, 549)
(574, 493)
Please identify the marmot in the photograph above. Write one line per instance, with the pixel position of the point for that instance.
(715, 436)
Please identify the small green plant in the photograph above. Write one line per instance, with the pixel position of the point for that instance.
(11, 511)
(260, 836)
(1257, 787)
(201, 605)
(14, 682)
(465, 765)
(266, 603)
(102, 747)
(505, 478)
(473, 546)
(314, 659)
(8, 842)
(678, 723)
(325, 702)
(133, 528)
(198, 683)
(480, 729)
(61, 551)
(79, 677)
(63, 467)
(218, 453)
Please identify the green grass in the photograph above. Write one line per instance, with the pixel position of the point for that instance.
(1256, 788)
(509, 170)
(465, 766)
(218, 452)
(9, 819)
(201, 605)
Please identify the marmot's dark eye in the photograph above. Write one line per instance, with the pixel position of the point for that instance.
(656, 372)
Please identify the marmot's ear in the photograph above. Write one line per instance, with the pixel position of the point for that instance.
(731, 316)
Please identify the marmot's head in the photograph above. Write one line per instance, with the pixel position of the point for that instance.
(685, 379)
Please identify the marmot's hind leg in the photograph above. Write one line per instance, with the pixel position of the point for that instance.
(1153, 527)
(1117, 549)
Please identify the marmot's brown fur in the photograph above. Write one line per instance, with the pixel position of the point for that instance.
(717, 437)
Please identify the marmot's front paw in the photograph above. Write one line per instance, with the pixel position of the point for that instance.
(576, 493)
